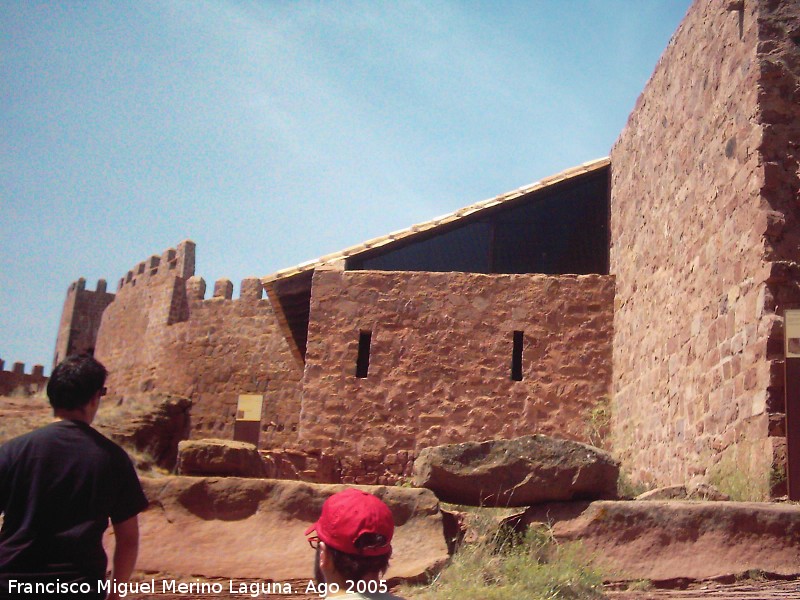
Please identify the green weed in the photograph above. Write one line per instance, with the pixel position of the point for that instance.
(598, 423)
(733, 475)
(503, 565)
(627, 488)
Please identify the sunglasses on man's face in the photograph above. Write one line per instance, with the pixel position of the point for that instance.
(313, 542)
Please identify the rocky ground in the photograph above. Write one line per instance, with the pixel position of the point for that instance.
(19, 415)
(298, 585)
(743, 590)
(193, 507)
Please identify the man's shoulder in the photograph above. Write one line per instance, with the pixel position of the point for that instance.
(99, 436)
(31, 437)
(57, 434)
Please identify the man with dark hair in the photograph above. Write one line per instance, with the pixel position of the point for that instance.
(59, 486)
(353, 543)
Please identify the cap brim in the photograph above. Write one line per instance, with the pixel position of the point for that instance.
(311, 528)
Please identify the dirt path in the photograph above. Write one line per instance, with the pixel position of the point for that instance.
(264, 589)
(744, 590)
(242, 588)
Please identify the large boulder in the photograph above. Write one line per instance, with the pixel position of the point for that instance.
(152, 425)
(220, 457)
(230, 527)
(673, 540)
(517, 472)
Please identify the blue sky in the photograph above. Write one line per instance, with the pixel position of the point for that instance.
(271, 133)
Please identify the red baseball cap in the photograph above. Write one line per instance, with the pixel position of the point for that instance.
(348, 515)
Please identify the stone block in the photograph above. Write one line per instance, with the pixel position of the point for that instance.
(219, 457)
(516, 472)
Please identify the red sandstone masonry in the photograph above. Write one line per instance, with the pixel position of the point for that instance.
(779, 98)
(131, 336)
(705, 237)
(440, 362)
(17, 381)
(231, 347)
(691, 235)
(80, 319)
(161, 335)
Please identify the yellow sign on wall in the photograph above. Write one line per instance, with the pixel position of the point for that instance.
(249, 407)
(792, 333)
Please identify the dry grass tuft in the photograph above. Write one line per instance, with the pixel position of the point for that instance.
(503, 565)
(112, 413)
(21, 414)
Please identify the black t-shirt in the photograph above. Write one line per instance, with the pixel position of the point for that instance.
(59, 486)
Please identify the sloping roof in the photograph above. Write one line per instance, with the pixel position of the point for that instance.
(405, 234)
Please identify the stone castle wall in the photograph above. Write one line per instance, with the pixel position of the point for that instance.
(133, 330)
(17, 381)
(440, 362)
(691, 233)
(230, 347)
(705, 232)
(80, 319)
(161, 335)
(779, 96)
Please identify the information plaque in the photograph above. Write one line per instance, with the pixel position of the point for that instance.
(791, 324)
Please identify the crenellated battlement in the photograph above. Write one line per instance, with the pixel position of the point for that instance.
(251, 289)
(163, 333)
(17, 381)
(80, 286)
(19, 369)
(80, 318)
(179, 262)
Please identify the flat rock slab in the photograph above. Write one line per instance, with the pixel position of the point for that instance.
(234, 527)
(220, 457)
(517, 472)
(702, 491)
(674, 540)
(742, 590)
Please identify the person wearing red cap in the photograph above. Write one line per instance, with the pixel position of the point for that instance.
(353, 543)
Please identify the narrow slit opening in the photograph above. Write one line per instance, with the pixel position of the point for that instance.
(516, 357)
(362, 363)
